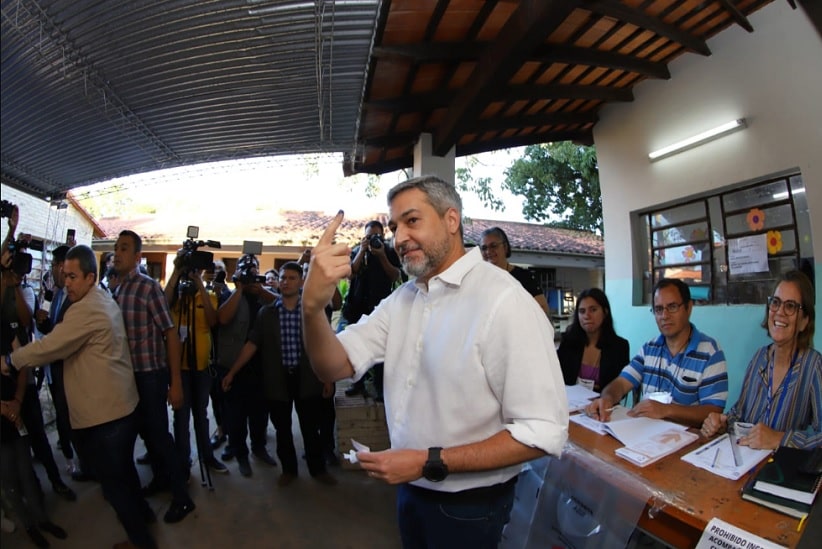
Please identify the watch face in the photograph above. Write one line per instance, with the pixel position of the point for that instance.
(435, 472)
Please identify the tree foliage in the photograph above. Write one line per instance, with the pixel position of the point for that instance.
(481, 186)
(558, 180)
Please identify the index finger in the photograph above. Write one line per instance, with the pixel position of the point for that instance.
(329, 232)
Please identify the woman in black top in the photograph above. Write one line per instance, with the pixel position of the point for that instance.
(590, 351)
(496, 249)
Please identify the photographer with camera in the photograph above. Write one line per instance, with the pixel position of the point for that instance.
(375, 268)
(245, 410)
(18, 305)
(194, 311)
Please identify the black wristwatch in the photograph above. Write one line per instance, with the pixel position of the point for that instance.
(434, 469)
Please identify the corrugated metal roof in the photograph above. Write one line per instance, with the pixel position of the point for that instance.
(93, 90)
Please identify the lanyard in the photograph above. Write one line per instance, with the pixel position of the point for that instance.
(785, 383)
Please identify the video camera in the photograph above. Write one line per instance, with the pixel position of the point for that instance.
(6, 208)
(192, 259)
(251, 249)
(20, 260)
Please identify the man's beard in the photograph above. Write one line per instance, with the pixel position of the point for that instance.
(432, 257)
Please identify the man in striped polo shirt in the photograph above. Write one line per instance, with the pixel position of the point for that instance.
(681, 363)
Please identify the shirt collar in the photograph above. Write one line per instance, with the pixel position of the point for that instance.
(456, 272)
(693, 341)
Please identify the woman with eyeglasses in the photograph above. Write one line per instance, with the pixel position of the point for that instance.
(591, 353)
(782, 390)
(496, 249)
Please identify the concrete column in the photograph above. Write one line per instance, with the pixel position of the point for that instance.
(425, 163)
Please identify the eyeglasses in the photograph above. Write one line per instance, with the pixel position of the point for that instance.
(790, 306)
(670, 307)
(491, 246)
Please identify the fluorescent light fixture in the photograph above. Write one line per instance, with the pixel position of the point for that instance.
(699, 139)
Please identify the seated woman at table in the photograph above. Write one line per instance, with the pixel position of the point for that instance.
(590, 352)
(496, 249)
(782, 390)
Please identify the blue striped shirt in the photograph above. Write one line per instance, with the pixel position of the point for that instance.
(800, 416)
(697, 375)
(291, 333)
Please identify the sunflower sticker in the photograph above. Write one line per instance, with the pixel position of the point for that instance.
(756, 219)
(774, 242)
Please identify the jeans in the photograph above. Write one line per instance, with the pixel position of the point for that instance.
(196, 387)
(152, 415)
(32, 414)
(428, 519)
(309, 411)
(58, 396)
(21, 490)
(110, 448)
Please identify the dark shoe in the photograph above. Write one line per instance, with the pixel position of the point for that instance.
(245, 467)
(265, 457)
(143, 460)
(286, 479)
(37, 537)
(81, 476)
(217, 441)
(178, 511)
(53, 529)
(354, 390)
(228, 454)
(154, 487)
(216, 466)
(325, 478)
(64, 491)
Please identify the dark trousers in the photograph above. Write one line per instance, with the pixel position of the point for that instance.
(152, 416)
(218, 397)
(328, 416)
(472, 518)
(246, 414)
(309, 412)
(110, 449)
(196, 386)
(21, 490)
(61, 411)
(32, 414)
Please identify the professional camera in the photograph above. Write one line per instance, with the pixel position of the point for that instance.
(191, 259)
(246, 274)
(6, 208)
(376, 241)
(20, 260)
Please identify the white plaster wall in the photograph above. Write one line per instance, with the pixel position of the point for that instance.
(773, 78)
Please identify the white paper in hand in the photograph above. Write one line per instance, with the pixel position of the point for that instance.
(351, 456)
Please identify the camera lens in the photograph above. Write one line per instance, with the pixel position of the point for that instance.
(375, 241)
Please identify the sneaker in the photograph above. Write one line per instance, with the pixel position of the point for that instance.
(53, 529)
(178, 511)
(216, 466)
(285, 479)
(64, 491)
(245, 467)
(325, 478)
(228, 454)
(265, 457)
(37, 537)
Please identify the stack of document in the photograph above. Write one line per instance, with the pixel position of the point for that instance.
(646, 440)
(717, 456)
(579, 397)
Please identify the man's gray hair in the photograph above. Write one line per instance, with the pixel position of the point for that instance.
(85, 257)
(441, 194)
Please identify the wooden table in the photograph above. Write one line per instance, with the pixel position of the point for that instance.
(681, 498)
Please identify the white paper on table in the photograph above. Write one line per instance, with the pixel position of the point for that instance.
(703, 457)
(351, 456)
(618, 413)
(579, 397)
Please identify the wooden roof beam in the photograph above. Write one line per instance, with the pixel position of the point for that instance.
(525, 29)
(737, 15)
(500, 123)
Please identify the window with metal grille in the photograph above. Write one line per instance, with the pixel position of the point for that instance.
(729, 246)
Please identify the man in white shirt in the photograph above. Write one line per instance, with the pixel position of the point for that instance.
(473, 386)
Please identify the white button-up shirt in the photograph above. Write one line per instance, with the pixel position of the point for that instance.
(465, 358)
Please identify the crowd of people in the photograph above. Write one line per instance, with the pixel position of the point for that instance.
(463, 355)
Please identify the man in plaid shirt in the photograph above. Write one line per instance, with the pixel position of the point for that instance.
(156, 369)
